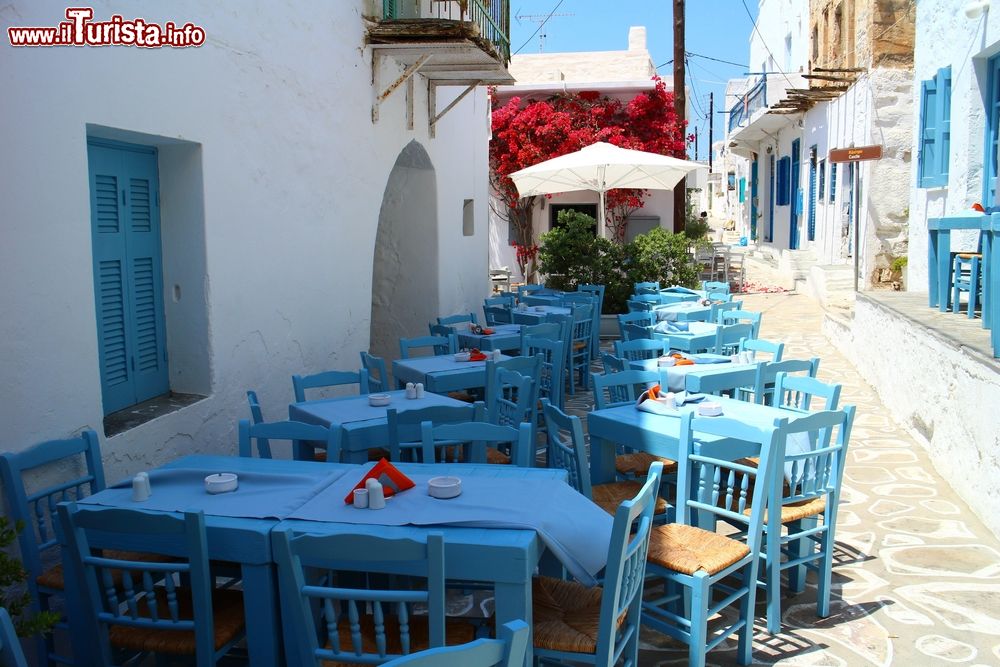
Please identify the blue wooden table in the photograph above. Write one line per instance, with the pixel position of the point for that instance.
(441, 373)
(701, 341)
(504, 557)
(363, 426)
(680, 294)
(939, 265)
(506, 337)
(683, 311)
(537, 314)
(701, 378)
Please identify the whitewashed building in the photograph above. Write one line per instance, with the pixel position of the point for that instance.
(185, 224)
(829, 74)
(617, 74)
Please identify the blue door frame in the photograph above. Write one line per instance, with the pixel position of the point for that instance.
(796, 208)
(812, 195)
(753, 199)
(770, 201)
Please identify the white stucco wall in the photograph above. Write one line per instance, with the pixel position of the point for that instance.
(946, 37)
(962, 439)
(276, 107)
(778, 20)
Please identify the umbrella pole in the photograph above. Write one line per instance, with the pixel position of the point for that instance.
(600, 217)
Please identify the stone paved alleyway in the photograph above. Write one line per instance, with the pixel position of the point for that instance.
(916, 577)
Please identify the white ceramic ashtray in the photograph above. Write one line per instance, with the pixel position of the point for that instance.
(666, 361)
(710, 409)
(539, 309)
(444, 487)
(378, 400)
(462, 356)
(221, 482)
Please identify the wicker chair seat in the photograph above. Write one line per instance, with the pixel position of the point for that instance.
(636, 464)
(687, 549)
(799, 510)
(455, 632)
(609, 496)
(227, 616)
(566, 615)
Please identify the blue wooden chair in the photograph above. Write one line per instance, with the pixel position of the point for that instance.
(441, 344)
(483, 443)
(690, 563)
(497, 315)
(739, 316)
(727, 337)
(797, 393)
(622, 388)
(598, 292)
(720, 307)
(567, 449)
(459, 317)
(378, 376)
(440, 330)
(11, 654)
(36, 509)
(524, 290)
(578, 352)
(651, 299)
(808, 501)
(715, 286)
(641, 317)
(636, 332)
(325, 619)
(302, 436)
(553, 365)
(329, 379)
(613, 364)
(755, 345)
(767, 374)
(642, 348)
(148, 611)
(513, 398)
(529, 367)
(636, 306)
(504, 300)
(550, 330)
(404, 439)
(256, 414)
(602, 624)
(653, 285)
(507, 650)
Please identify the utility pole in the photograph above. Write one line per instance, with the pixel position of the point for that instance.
(711, 121)
(680, 102)
(696, 143)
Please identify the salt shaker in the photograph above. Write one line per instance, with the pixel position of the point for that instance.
(420, 390)
(496, 355)
(376, 495)
(411, 390)
(140, 487)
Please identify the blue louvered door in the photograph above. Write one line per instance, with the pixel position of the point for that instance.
(128, 275)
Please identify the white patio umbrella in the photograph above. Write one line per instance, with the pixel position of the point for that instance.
(601, 167)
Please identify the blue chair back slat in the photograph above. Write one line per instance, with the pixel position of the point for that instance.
(636, 332)
(378, 376)
(767, 375)
(507, 650)
(737, 315)
(477, 436)
(513, 398)
(621, 388)
(256, 414)
(642, 348)
(613, 364)
(566, 448)
(329, 379)
(797, 392)
(441, 344)
(553, 365)
(459, 317)
(294, 431)
(11, 654)
(130, 603)
(640, 318)
(755, 345)
(325, 618)
(404, 437)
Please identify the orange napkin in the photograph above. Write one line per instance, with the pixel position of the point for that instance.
(388, 475)
(488, 332)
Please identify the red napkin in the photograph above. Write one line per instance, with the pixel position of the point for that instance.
(488, 332)
(477, 356)
(388, 475)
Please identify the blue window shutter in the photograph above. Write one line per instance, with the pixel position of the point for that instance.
(128, 282)
(822, 180)
(783, 196)
(743, 190)
(944, 123)
(833, 182)
(928, 158)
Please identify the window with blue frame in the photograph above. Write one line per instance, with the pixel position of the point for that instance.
(783, 195)
(992, 132)
(833, 182)
(935, 130)
(822, 181)
(743, 190)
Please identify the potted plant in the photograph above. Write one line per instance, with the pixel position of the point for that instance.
(13, 595)
(898, 268)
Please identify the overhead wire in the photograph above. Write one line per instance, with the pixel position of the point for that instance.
(753, 23)
(540, 26)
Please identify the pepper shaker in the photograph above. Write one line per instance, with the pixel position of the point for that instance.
(411, 390)
(419, 390)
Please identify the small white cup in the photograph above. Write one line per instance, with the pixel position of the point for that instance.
(361, 498)
(140, 487)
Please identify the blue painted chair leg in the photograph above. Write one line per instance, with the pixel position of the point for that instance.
(700, 600)
(773, 579)
(973, 286)
(744, 652)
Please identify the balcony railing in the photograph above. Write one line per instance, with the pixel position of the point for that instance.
(491, 18)
(751, 101)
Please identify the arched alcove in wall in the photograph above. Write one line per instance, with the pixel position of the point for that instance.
(405, 271)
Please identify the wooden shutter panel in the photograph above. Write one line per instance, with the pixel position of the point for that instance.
(943, 81)
(927, 161)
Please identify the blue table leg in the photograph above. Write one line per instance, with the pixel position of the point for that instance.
(602, 461)
(513, 601)
(260, 606)
(987, 268)
(943, 268)
(992, 290)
